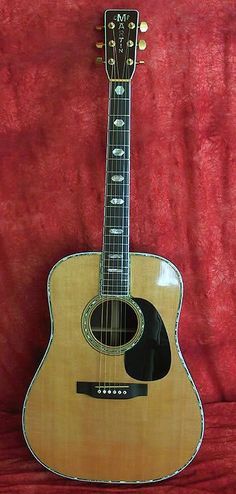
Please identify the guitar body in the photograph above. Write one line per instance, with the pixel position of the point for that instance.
(105, 438)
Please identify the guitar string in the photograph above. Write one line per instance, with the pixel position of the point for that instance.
(127, 107)
(111, 243)
(122, 338)
(115, 243)
(118, 303)
(117, 108)
(128, 196)
(106, 240)
(119, 276)
(105, 262)
(103, 336)
(118, 318)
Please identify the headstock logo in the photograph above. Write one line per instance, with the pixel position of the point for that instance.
(121, 17)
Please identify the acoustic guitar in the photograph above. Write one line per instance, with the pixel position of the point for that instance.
(113, 400)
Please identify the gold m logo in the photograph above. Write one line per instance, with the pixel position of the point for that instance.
(121, 17)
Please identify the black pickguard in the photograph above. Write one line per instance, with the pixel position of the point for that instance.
(150, 358)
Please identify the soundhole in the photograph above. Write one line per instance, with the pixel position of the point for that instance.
(114, 323)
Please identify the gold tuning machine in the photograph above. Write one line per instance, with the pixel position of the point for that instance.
(99, 28)
(100, 44)
(99, 60)
(140, 62)
(143, 26)
(142, 44)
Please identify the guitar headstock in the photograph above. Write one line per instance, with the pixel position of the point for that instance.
(121, 43)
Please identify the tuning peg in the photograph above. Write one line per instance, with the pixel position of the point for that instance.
(99, 60)
(100, 44)
(140, 62)
(99, 28)
(143, 27)
(142, 44)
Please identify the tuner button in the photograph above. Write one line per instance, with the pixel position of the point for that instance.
(142, 44)
(141, 62)
(143, 27)
(131, 25)
(99, 28)
(99, 60)
(100, 44)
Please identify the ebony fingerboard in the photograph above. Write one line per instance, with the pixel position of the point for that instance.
(115, 255)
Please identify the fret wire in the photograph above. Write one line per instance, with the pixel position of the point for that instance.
(116, 265)
(118, 293)
(116, 287)
(117, 258)
(119, 99)
(110, 280)
(109, 274)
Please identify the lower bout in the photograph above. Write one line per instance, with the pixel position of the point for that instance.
(101, 441)
(144, 439)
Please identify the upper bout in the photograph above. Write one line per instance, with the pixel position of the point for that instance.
(162, 274)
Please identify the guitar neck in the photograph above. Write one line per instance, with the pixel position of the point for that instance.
(115, 255)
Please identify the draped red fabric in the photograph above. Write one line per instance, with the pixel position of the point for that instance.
(53, 114)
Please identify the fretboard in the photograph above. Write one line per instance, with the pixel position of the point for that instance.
(115, 254)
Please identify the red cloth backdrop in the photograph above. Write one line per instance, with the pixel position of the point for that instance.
(53, 105)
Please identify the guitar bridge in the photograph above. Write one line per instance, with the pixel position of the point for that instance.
(111, 391)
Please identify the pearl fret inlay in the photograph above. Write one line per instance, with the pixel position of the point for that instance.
(114, 270)
(119, 122)
(118, 152)
(119, 90)
(117, 201)
(117, 178)
(116, 231)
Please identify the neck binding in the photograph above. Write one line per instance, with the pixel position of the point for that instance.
(115, 254)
